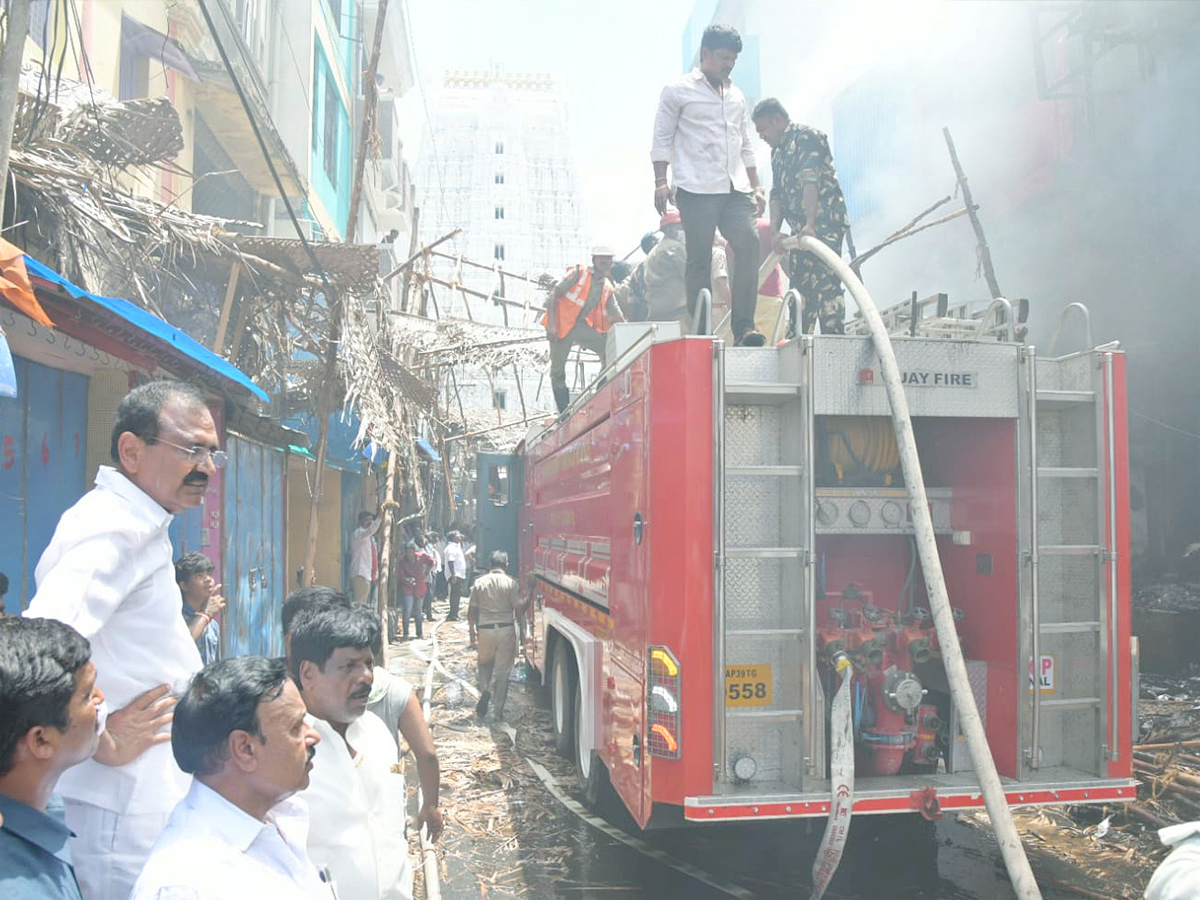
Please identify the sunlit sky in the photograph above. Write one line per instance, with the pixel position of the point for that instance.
(613, 58)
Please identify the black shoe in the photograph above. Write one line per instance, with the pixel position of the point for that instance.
(482, 705)
(751, 339)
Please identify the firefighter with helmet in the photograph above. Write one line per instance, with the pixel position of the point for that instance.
(580, 310)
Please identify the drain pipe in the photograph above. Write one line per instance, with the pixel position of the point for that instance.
(1011, 850)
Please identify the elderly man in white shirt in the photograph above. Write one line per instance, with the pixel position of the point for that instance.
(456, 572)
(702, 130)
(242, 731)
(108, 574)
(356, 795)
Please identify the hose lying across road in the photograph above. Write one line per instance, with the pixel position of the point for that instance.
(1019, 872)
(552, 786)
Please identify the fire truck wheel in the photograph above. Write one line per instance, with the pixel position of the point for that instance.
(591, 771)
(562, 699)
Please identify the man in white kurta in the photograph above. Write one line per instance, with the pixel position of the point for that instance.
(108, 574)
(356, 793)
(241, 730)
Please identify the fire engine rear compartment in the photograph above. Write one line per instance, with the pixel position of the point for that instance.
(860, 589)
(736, 539)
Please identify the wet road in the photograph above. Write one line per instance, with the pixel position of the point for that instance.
(507, 836)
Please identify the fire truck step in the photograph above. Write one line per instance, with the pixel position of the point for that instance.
(1049, 398)
(763, 552)
(1070, 702)
(1069, 627)
(1067, 471)
(764, 714)
(758, 394)
(778, 471)
(1069, 549)
(764, 632)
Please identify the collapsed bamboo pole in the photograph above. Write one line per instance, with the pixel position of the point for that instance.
(985, 255)
(333, 339)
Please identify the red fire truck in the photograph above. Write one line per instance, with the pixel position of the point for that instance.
(709, 525)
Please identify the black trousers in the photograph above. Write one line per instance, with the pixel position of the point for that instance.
(456, 592)
(733, 213)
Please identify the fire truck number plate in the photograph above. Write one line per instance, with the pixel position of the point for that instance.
(748, 685)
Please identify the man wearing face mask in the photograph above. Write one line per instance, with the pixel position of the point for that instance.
(356, 794)
(50, 720)
(242, 733)
(108, 574)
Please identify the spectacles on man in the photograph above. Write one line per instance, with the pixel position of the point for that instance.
(197, 456)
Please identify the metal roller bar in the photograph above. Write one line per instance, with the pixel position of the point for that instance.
(1114, 661)
(1035, 730)
(719, 554)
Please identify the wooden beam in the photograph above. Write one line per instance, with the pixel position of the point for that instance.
(227, 307)
(985, 255)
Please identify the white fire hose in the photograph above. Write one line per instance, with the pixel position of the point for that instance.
(1005, 829)
(841, 780)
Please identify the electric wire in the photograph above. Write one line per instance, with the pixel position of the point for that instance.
(262, 145)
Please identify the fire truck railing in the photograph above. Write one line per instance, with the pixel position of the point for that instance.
(1062, 319)
(1035, 607)
(718, 389)
(702, 322)
(1114, 632)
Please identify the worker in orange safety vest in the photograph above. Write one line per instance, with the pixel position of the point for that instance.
(580, 310)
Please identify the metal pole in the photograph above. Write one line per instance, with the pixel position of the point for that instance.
(718, 405)
(10, 83)
(1113, 650)
(1035, 616)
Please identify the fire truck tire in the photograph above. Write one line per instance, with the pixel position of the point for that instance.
(562, 699)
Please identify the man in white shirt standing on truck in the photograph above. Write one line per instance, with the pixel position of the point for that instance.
(702, 131)
(108, 574)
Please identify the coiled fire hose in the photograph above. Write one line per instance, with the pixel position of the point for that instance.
(1009, 841)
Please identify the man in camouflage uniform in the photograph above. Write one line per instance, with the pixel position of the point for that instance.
(805, 192)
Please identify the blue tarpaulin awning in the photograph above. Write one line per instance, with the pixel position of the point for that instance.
(152, 324)
(427, 449)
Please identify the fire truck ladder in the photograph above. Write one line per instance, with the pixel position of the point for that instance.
(1070, 560)
(763, 523)
(935, 317)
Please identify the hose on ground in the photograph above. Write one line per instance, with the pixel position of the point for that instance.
(1009, 841)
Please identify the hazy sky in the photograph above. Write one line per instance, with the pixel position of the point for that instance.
(613, 56)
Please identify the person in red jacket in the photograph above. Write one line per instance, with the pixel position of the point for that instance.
(414, 582)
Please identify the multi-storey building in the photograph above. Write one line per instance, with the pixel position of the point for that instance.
(497, 164)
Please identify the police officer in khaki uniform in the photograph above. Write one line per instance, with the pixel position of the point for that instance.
(495, 601)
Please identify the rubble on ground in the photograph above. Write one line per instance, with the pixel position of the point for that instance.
(1168, 595)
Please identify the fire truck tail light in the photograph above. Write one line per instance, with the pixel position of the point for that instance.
(660, 733)
(663, 704)
(663, 663)
(662, 700)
